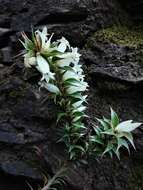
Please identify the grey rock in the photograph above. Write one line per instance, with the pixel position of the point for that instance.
(28, 117)
(135, 9)
(4, 36)
(111, 62)
(19, 168)
(11, 138)
(6, 54)
(4, 31)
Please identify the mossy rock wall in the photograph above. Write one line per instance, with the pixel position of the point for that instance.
(113, 63)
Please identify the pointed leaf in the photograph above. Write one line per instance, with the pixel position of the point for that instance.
(122, 142)
(114, 118)
(103, 123)
(76, 147)
(60, 115)
(108, 148)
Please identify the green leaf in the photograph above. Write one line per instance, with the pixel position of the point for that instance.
(78, 125)
(30, 45)
(122, 143)
(108, 132)
(111, 154)
(76, 147)
(60, 115)
(128, 136)
(117, 153)
(96, 139)
(67, 68)
(103, 123)
(76, 119)
(108, 148)
(78, 115)
(114, 118)
(97, 129)
(54, 53)
(33, 35)
(71, 80)
(72, 155)
(108, 121)
(76, 95)
(24, 45)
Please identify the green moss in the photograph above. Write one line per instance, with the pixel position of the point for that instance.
(120, 35)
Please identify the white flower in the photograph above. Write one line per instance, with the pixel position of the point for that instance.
(70, 74)
(78, 88)
(29, 61)
(78, 68)
(43, 41)
(63, 45)
(76, 55)
(46, 46)
(59, 57)
(44, 69)
(50, 87)
(42, 65)
(69, 57)
(48, 76)
(64, 62)
(42, 35)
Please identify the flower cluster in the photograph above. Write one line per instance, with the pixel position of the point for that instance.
(62, 75)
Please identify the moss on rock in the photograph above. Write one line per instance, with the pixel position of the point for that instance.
(120, 35)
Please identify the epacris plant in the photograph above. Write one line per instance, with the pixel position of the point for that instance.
(62, 75)
(113, 134)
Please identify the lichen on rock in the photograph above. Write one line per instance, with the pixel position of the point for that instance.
(120, 35)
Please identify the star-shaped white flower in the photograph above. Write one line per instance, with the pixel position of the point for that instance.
(63, 45)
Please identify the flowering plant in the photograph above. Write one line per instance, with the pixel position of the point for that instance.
(62, 75)
(112, 135)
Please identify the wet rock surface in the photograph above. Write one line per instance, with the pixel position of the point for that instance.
(27, 117)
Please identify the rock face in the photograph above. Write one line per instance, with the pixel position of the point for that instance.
(113, 62)
(135, 9)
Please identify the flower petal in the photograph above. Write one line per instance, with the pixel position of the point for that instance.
(29, 61)
(63, 45)
(52, 88)
(73, 89)
(64, 62)
(42, 65)
(70, 74)
(127, 126)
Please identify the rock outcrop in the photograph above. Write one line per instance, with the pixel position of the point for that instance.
(113, 63)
